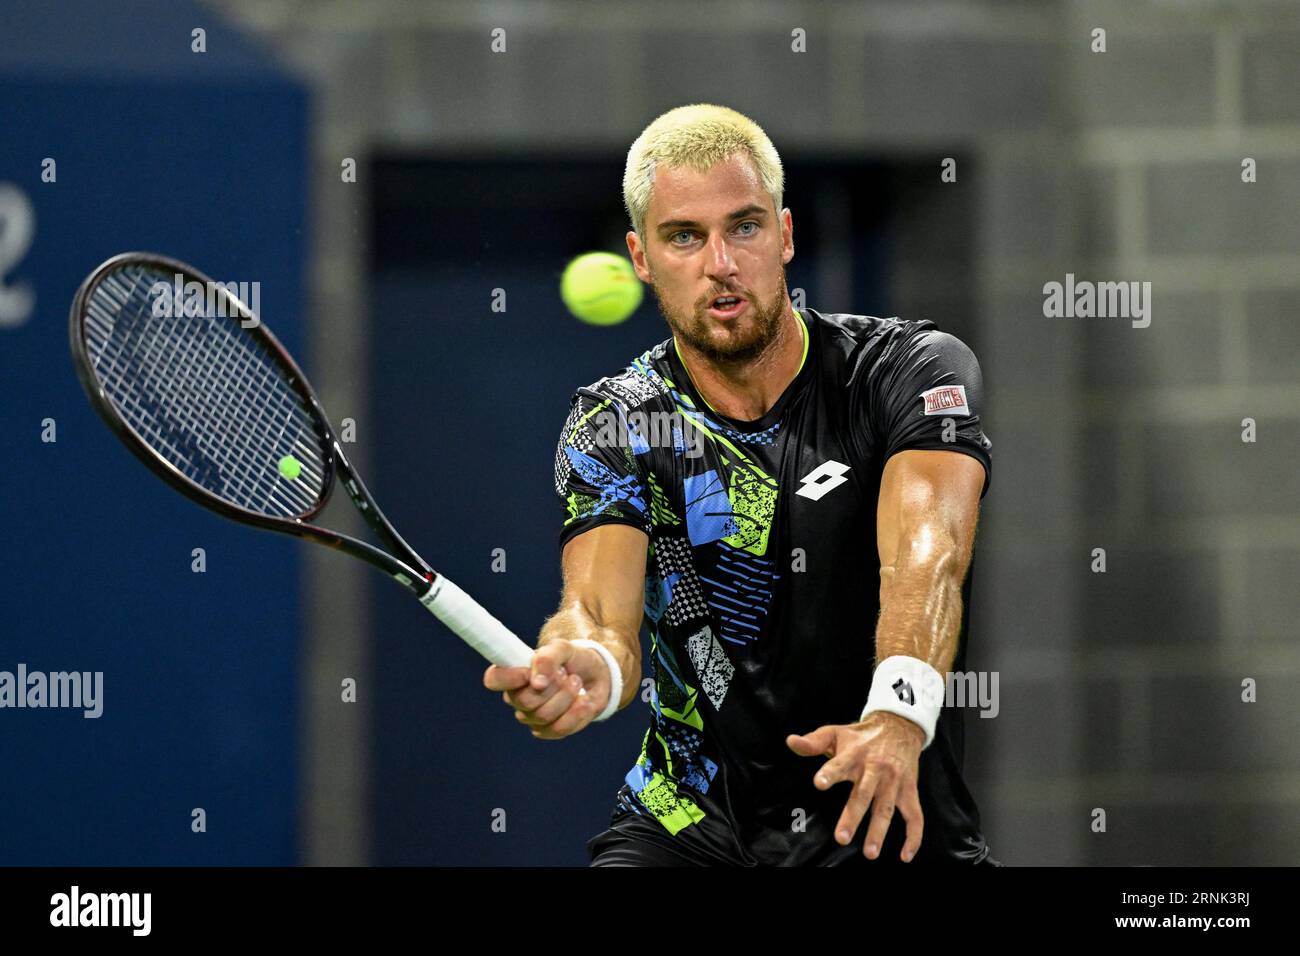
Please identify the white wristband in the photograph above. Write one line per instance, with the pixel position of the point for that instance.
(909, 687)
(615, 676)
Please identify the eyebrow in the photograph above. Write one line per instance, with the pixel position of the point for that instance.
(752, 209)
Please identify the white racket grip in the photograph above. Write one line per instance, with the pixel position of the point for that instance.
(475, 626)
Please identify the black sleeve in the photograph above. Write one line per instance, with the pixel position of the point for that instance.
(928, 393)
(596, 475)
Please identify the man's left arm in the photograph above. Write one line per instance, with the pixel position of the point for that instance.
(925, 533)
(928, 403)
(928, 508)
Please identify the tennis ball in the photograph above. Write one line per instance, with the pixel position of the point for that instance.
(600, 288)
(290, 467)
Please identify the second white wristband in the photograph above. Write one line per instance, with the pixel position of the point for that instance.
(615, 676)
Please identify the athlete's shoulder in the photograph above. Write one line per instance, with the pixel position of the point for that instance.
(850, 332)
(856, 348)
(640, 383)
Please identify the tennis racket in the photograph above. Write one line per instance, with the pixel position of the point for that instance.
(202, 392)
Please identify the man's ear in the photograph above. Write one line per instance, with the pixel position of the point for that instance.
(636, 252)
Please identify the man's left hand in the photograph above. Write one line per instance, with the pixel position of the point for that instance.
(881, 758)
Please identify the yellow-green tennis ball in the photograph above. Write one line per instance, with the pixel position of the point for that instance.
(600, 288)
(290, 467)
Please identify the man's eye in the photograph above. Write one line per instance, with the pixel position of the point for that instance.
(751, 223)
(676, 234)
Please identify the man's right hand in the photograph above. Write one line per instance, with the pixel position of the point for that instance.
(547, 695)
(604, 601)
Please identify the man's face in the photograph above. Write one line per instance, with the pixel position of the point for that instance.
(711, 234)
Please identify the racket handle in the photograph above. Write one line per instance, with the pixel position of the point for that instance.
(472, 623)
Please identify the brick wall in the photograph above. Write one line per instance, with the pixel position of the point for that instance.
(1120, 690)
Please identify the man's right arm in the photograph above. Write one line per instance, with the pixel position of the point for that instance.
(603, 601)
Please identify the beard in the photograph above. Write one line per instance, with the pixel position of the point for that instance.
(741, 344)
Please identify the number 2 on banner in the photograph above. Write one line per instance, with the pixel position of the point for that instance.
(17, 224)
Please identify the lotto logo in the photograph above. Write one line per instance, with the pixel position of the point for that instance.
(822, 480)
(904, 691)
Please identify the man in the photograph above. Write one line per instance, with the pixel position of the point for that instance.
(739, 487)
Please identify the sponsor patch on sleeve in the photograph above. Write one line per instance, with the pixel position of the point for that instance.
(946, 400)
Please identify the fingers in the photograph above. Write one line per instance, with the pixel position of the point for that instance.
(581, 711)
(505, 678)
(820, 741)
(885, 787)
(863, 790)
(561, 696)
(546, 697)
(882, 813)
(548, 663)
(528, 687)
(909, 805)
(882, 782)
(845, 766)
(579, 715)
(526, 698)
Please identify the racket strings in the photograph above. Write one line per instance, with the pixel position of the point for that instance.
(211, 399)
(201, 406)
(205, 394)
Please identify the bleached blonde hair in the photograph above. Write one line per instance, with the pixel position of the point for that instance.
(696, 136)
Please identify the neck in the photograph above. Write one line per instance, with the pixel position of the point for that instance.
(747, 391)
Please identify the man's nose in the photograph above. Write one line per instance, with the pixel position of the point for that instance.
(721, 263)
